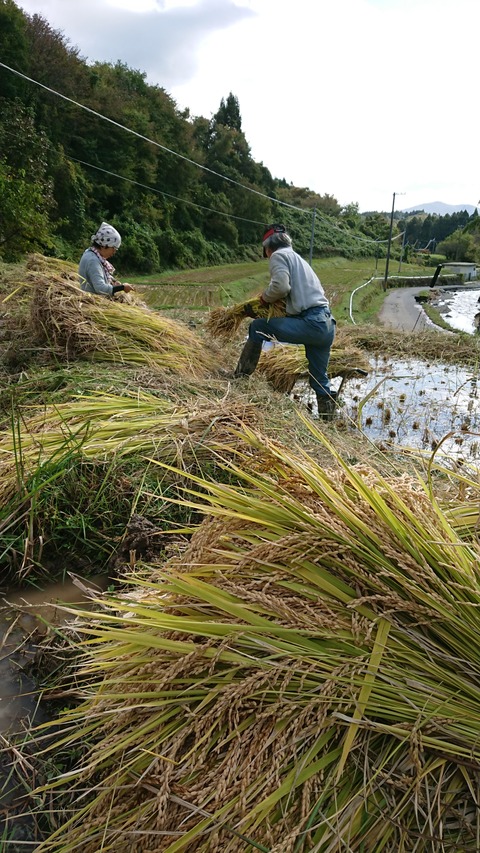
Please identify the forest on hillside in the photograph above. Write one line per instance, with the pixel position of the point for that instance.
(81, 143)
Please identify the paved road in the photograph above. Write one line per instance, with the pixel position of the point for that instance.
(400, 311)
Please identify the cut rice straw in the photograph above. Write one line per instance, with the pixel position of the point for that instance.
(283, 364)
(82, 325)
(306, 674)
(98, 427)
(223, 323)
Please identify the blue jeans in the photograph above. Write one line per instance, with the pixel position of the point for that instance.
(314, 328)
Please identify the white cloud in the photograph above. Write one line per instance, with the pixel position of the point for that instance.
(161, 38)
(357, 98)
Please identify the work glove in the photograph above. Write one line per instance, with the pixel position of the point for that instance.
(249, 312)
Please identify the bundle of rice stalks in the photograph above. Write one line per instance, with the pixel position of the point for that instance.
(81, 325)
(97, 427)
(131, 298)
(283, 365)
(306, 678)
(223, 323)
(66, 270)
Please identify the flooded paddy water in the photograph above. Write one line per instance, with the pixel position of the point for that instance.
(25, 617)
(459, 307)
(412, 403)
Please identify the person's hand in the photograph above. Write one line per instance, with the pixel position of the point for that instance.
(249, 312)
(128, 287)
(264, 301)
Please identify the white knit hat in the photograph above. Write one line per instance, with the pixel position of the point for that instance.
(107, 236)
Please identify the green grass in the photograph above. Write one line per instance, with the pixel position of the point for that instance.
(75, 508)
(207, 287)
(78, 509)
(203, 287)
(436, 316)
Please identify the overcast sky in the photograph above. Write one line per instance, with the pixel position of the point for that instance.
(356, 98)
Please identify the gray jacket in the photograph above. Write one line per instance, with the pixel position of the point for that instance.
(93, 277)
(293, 279)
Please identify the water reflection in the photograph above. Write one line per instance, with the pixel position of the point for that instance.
(414, 404)
(24, 618)
(458, 308)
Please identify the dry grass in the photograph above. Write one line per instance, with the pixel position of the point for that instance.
(224, 323)
(54, 267)
(303, 677)
(429, 345)
(99, 427)
(81, 325)
(282, 366)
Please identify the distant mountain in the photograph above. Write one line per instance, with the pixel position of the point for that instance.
(440, 208)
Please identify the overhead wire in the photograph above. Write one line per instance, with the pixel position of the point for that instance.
(188, 160)
(211, 209)
(147, 139)
(147, 186)
(162, 192)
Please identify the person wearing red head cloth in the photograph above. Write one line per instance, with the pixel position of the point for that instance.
(308, 319)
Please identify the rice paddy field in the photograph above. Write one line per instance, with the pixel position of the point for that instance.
(275, 644)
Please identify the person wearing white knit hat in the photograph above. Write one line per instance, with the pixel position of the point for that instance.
(95, 271)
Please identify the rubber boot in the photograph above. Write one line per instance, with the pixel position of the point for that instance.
(326, 407)
(248, 359)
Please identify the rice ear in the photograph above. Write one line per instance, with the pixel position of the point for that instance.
(304, 673)
(283, 365)
(83, 325)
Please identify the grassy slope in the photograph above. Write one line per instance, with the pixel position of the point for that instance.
(200, 289)
(111, 492)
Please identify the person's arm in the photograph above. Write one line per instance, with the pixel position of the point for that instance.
(279, 286)
(117, 287)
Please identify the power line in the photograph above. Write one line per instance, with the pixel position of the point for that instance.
(145, 186)
(147, 139)
(213, 210)
(162, 192)
(187, 160)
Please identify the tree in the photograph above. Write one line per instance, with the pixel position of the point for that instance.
(228, 113)
(24, 221)
(162, 188)
(350, 215)
(26, 199)
(459, 246)
(376, 226)
(13, 49)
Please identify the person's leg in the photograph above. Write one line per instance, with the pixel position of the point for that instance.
(318, 357)
(315, 331)
(258, 332)
(248, 358)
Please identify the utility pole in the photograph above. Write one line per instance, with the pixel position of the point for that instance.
(312, 234)
(389, 241)
(402, 250)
